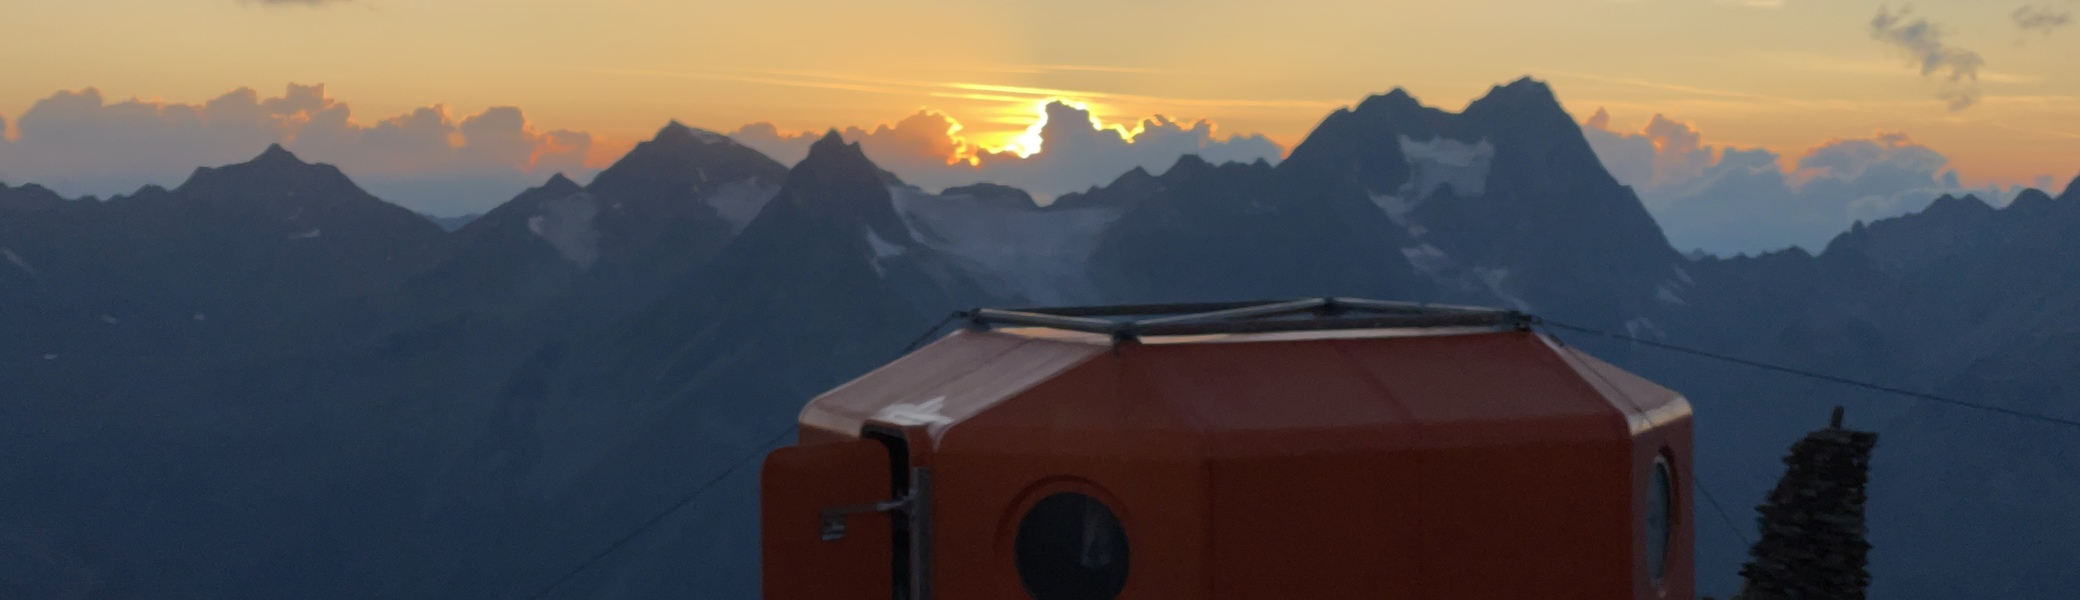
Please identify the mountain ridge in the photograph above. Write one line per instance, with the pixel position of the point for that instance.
(559, 370)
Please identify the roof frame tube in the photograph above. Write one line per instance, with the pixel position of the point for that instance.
(1248, 312)
(1013, 317)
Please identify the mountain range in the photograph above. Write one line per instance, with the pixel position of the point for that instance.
(267, 383)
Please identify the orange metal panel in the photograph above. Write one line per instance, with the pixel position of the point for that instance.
(795, 486)
(1095, 429)
(1491, 389)
(1660, 421)
(945, 382)
(1312, 476)
(1538, 520)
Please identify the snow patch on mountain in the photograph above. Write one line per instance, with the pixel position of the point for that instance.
(1444, 161)
(1396, 206)
(566, 223)
(1427, 258)
(883, 250)
(1434, 165)
(1431, 260)
(709, 137)
(17, 260)
(739, 202)
(1040, 255)
(1667, 294)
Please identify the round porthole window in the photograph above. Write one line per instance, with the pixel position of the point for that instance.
(1660, 517)
(1071, 547)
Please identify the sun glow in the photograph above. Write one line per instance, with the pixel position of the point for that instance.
(1027, 143)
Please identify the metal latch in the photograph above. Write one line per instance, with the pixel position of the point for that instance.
(834, 518)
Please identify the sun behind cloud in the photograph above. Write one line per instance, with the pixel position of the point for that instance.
(1061, 147)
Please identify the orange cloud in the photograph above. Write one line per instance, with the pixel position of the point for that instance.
(81, 143)
(1727, 200)
(1063, 148)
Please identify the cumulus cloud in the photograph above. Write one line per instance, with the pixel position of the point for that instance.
(1727, 200)
(79, 142)
(1074, 150)
(2046, 18)
(1922, 42)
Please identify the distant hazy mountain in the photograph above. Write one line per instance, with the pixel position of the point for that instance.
(266, 383)
(608, 248)
(455, 222)
(267, 256)
(1961, 299)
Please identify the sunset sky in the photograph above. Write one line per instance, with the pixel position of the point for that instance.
(1786, 75)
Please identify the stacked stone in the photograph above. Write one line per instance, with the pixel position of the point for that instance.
(1812, 545)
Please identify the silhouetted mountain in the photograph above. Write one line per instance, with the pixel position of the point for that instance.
(598, 252)
(266, 383)
(1237, 231)
(1962, 299)
(247, 258)
(1504, 200)
(826, 283)
(169, 381)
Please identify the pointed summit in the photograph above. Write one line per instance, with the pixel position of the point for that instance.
(275, 171)
(275, 153)
(1394, 101)
(2031, 200)
(1948, 206)
(1189, 165)
(832, 142)
(2072, 192)
(677, 133)
(668, 172)
(832, 156)
(839, 188)
(561, 185)
(673, 130)
(1527, 97)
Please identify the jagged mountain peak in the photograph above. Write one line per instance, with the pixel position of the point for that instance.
(1950, 205)
(670, 172)
(1526, 89)
(2072, 191)
(274, 172)
(1528, 105)
(1136, 174)
(674, 131)
(559, 184)
(2031, 200)
(832, 142)
(1916, 240)
(834, 205)
(1394, 101)
(275, 153)
(837, 180)
(28, 196)
(1189, 165)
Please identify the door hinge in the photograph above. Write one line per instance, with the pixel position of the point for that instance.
(834, 518)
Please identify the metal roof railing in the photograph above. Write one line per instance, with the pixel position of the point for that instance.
(1313, 314)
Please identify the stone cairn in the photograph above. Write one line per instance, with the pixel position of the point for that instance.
(1812, 545)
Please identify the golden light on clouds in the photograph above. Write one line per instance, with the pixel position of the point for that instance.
(1783, 75)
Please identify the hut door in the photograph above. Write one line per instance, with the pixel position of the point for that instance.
(826, 520)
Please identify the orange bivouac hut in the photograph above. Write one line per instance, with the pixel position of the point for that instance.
(1318, 449)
